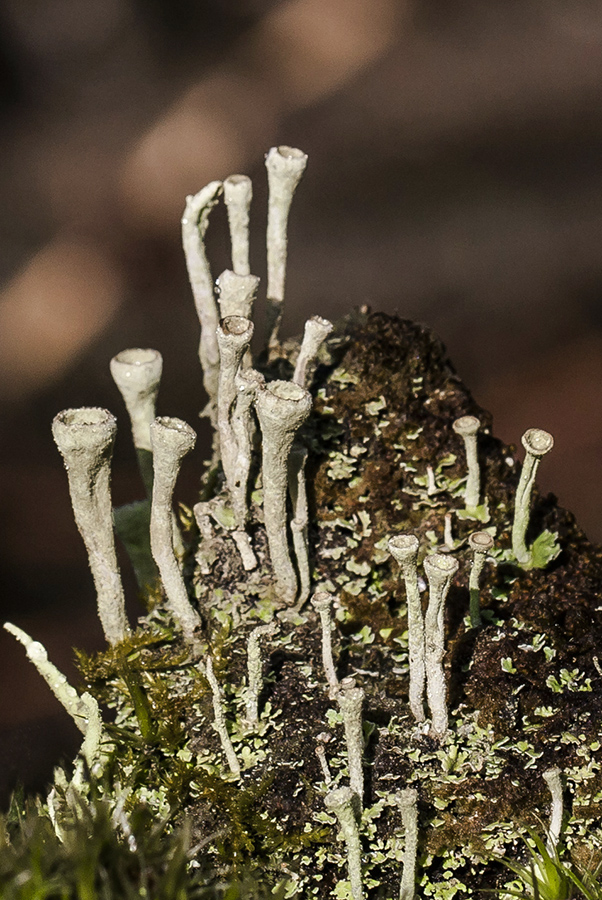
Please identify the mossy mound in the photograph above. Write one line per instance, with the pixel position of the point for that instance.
(523, 690)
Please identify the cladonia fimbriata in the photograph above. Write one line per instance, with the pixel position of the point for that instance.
(439, 569)
(404, 548)
(85, 438)
(285, 167)
(282, 407)
(220, 719)
(468, 427)
(315, 333)
(238, 193)
(481, 544)
(194, 225)
(137, 374)
(171, 440)
(322, 603)
(407, 801)
(553, 779)
(351, 701)
(340, 801)
(259, 491)
(536, 443)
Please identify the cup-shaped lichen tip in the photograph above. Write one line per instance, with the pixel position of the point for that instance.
(172, 435)
(85, 440)
(466, 426)
(537, 442)
(282, 407)
(404, 548)
(137, 374)
(88, 429)
(480, 542)
(440, 568)
(236, 293)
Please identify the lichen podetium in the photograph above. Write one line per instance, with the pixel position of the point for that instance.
(330, 460)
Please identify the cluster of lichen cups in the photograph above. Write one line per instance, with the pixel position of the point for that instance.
(240, 400)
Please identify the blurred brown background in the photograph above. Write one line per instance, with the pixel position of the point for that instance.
(455, 177)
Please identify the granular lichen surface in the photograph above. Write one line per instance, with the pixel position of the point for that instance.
(524, 690)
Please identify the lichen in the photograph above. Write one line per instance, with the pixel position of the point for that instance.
(383, 460)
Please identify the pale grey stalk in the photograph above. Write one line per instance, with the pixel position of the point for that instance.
(137, 374)
(207, 551)
(322, 603)
(220, 720)
(171, 440)
(467, 427)
(321, 754)
(431, 482)
(245, 550)
(404, 547)
(481, 544)
(316, 331)
(407, 801)
(255, 670)
(536, 443)
(236, 294)
(90, 748)
(85, 438)
(554, 783)
(341, 803)
(194, 225)
(282, 407)
(440, 569)
(301, 548)
(243, 429)
(233, 337)
(448, 536)
(54, 678)
(238, 193)
(285, 167)
(297, 484)
(351, 699)
(298, 492)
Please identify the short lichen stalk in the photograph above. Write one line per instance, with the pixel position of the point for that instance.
(553, 779)
(316, 331)
(481, 544)
(298, 494)
(404, 547)
(137, 374)
(407, 801)
(468, 427)
(341, 802)
(536, 443)
(439, 571)
(244, 428)
(220, 719)
(282, 407)
(255, 671)
(351, 701)
(85, 438)
(322, 603)
(175, 742)
(171, 440)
